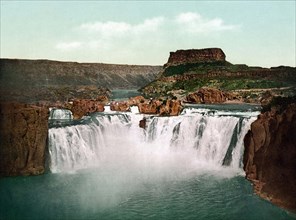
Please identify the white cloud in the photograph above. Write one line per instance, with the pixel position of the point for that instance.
(111, 28)
(113, 40)
(195, 23)
(69, 45)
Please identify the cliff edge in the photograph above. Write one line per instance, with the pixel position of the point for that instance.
(195, 56)
(270, 156)
(23, 135)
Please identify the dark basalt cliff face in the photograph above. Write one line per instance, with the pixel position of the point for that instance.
(23, 135)
(195, 56)
(270, 156)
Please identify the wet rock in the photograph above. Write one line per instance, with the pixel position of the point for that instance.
(269, 157)
(23, 135)
(120, 106)
(142, 123)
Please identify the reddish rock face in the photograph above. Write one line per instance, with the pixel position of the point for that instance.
(151, 107)
(164, 108)
(270, 156)
(120, 106)
(82, 107)
(136, 100)
(23, 135)
(103, 99)
(208, 96)
(195, 56)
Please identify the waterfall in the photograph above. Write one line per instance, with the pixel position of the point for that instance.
(203, 136)
(57, 114)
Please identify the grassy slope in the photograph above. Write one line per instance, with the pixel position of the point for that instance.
(221, 75)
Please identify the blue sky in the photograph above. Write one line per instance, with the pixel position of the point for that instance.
(257, 33)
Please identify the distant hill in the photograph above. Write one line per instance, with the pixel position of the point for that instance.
(188, 70)
(35, 78)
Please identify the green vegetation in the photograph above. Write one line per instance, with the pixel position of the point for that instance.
(197, 68)
(226, 84)
(280, 102)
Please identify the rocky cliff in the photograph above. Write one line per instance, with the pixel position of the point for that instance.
(195, 56)
(23, 135)
(270, 156)
(189, 70)
(32, 80)
(208, 96)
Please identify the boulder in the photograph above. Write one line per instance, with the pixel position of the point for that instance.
(83, 107)
(168, 107)
(23, 135)
(208, 96)
(103, 99)
(152, 107)
(136, 100)
(269, 157)
(142, 123)
(120, 106)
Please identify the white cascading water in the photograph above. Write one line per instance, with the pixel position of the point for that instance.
(60, 114)
(204, 137)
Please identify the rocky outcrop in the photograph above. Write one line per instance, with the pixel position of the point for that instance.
(190, 70)
(82, 107)
(270, 156)
(169, 107)
(120, 106)
(23, 135)
(195, 56)
(136, 100)
(208, 96)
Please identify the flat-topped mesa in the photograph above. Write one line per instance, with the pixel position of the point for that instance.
(195, 56)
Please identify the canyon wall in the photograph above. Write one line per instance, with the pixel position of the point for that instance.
(23, 136)
(270, 156)
(35, 80)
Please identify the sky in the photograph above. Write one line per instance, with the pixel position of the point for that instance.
(256, 33)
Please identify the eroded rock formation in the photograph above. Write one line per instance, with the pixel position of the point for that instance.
(120, 106)
(23, 135)
(195, 56)
(169, 107)
(270, 156)
(208, 96)
(83, 107)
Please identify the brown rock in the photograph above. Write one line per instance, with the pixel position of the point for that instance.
(120, 106)
(142, 123)
(269, 157)
(103, 99)
(151, 107)
(164, 108)
(195, 56)
(136, 100)
(171, 108)
(23, 135)
(208, 96)
(82, 107)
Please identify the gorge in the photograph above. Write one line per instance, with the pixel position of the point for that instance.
(98, 163)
